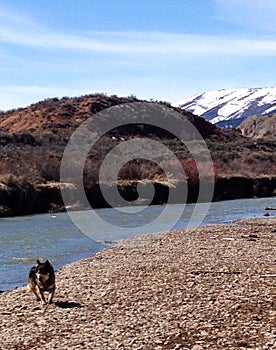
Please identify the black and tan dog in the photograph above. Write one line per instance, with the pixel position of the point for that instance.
(42, 279)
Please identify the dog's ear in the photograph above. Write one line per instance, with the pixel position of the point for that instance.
(47, 262)
(38, 262)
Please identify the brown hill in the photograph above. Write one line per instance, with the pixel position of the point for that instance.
(259, 127)
(33, 139)
(55, 115)
(63, 116)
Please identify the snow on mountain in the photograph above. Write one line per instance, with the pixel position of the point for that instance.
(229, 107)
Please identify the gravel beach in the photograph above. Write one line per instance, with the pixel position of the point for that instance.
(210, 288)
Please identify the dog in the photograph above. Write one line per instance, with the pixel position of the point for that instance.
(42, 279)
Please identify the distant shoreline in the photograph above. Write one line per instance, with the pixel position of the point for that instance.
(27, 198)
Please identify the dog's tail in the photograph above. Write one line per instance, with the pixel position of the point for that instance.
(31, 287)
(28, 288)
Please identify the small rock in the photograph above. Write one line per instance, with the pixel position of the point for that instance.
(197, 347)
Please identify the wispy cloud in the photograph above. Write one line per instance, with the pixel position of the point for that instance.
(20, 95)
(37, 61)
(141, 43)
(16, 19)
(254, 14)
(17, 30)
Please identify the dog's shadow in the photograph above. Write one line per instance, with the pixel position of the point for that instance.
(67, 304)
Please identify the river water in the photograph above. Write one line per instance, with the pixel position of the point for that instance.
(55, 237)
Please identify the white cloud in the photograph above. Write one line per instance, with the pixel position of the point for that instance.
(16, 29)
(140, 43)
(254, 14)
(19, 96)
(18, 20)
(160, 65)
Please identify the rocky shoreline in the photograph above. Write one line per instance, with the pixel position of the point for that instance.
(210, 288)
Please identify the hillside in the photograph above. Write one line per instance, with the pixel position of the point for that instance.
(32, 141)
(33, 138)
(259, 127)
(56, 116)
(229, 107)
(62, 116)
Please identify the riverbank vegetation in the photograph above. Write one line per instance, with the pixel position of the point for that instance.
(32, 141)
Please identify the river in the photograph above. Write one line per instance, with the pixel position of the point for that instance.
(55, 237)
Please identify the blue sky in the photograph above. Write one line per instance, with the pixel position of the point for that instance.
(161, 49)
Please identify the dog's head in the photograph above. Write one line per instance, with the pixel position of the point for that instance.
(43, 271)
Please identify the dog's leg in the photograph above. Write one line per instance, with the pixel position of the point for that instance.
(37, 296)
(35, 293)
(42, 296)
(32, 288)
(51, 296)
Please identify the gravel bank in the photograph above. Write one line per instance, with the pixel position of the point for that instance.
(211, 288)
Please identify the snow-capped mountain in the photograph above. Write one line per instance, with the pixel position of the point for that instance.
(229, 107)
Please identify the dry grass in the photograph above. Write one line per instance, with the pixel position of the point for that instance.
(32, 141)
